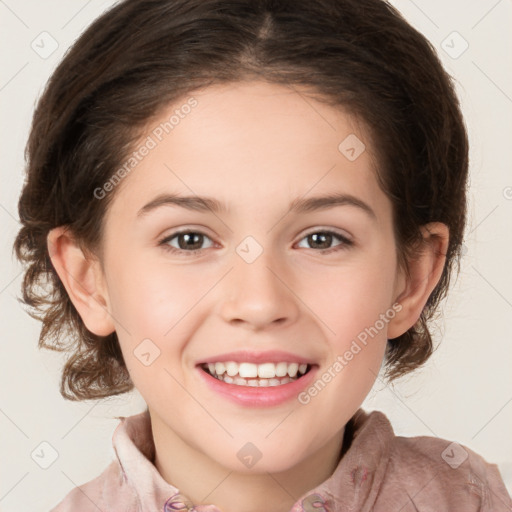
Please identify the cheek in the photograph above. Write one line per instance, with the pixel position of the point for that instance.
(157, 309)
(349, 299)
(154, 308)
(150, 299)
(355, 309)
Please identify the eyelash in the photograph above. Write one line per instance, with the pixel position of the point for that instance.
(345, 242)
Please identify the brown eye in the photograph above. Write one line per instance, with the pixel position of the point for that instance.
(190, 240)
(322, 240)
(187, 241)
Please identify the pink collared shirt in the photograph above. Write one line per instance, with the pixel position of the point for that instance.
(380, 472)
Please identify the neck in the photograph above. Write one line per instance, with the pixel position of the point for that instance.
(204, 481)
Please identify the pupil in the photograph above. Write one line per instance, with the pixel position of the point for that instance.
(188, 237)
(315, 236)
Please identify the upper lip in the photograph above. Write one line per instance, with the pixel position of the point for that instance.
(247, 356)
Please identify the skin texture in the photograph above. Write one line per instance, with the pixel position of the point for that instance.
(255, 147)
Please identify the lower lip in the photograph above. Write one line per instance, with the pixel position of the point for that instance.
(259, 396)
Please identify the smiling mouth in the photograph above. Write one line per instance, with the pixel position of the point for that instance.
(256, 375)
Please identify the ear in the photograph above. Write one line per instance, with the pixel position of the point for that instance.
(413, 291)
(83, 278)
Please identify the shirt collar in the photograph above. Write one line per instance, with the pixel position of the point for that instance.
(353, 485)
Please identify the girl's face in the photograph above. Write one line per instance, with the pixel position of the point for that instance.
(269, 273)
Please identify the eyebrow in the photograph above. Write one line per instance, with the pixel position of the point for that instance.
(300, 205)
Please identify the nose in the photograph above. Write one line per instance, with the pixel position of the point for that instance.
(259, 294)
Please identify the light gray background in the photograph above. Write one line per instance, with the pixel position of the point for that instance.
(463, 394)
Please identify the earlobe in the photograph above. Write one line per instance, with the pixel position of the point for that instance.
(425, 270)
(83, 279)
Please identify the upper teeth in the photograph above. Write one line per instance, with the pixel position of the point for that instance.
(251, 370)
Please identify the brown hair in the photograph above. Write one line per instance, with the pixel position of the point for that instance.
(142, 55)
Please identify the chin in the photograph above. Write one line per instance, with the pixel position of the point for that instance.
(251, 459)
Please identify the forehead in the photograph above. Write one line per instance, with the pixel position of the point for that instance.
(252, 145)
